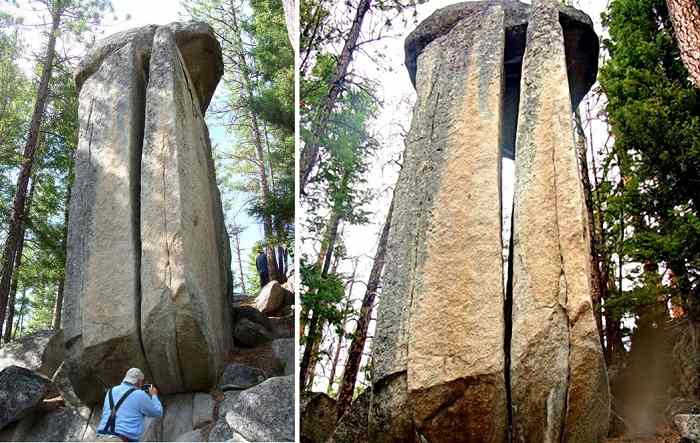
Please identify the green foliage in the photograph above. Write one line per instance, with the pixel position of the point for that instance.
(320, 294)
(43, 259)
(654, 115)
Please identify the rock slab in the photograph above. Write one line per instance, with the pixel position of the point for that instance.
(185, 319)
(559, 382)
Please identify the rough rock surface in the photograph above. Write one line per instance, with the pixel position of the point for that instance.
(559, 383)
(195, 435)
(184, 312)
(177, 417)
(265, 412)
(20, 391)
(202, 410)
(271, 298)
(251, 334)
(237, 376)
(283, 350)
(282, 327)
(41, 352)
(353, 425)
(441, 348)
(688, 426)
(318, 416)
(102, 337)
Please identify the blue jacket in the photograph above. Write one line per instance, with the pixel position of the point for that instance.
(132, 413)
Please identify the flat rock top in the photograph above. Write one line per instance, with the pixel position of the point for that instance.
(575, 23)
(199, 47)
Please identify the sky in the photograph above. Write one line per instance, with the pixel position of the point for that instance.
(131, 14)
(398, 94)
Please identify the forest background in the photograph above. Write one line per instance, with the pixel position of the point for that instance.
(251, 122)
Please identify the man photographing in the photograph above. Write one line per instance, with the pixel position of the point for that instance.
(126, 407)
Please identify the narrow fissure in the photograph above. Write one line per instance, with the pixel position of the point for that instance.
(513, 57)
(139, 131)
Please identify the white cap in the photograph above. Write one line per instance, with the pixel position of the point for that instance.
(133, 376)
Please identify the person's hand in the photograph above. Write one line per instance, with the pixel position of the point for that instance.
(153, 390)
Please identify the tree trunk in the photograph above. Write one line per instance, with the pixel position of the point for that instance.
(260, 156)
(18, 205)
(237, 235)
(309, 152)
(58, 307)
(20, 320)
(18, 264)
(348, 305)
(596, 280)
(311, 338)
(352, 365)
(685, 17)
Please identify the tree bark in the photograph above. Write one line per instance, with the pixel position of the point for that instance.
(685, 17)
(15, 276)
(348, 305)
(18, 205)
(309, 152)
(260, 156)
(352, 365)
(596, 278)
(58, 307)
(237, 236)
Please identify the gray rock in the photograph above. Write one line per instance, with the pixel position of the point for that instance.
(202, 410)
(177, 415)
(153, 429)
(66, 424)
(282, 327)
(559, 382)
(271, 298)
(200, 51)
(221, 431)
(41, 352)
(688, 426)
(353, 425)
(102, 247)
(237, 376)
(20, 391)
(185, 308)
(318, 417)
(251, 334)
(265, 412)
(283, 349)
(195, 435)
(228, 403)
(252, 314)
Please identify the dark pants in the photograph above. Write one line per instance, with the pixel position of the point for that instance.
(264, 279)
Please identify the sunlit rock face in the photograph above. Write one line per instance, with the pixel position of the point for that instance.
(457, 356)
(142, 96)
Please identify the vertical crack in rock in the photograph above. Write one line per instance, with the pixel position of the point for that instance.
(115, 308)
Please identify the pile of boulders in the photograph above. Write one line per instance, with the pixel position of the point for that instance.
(253, 399)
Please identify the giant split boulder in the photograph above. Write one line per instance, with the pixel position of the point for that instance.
(147, 280)
(450, 361)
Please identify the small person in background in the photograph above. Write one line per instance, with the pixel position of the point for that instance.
(261, 266)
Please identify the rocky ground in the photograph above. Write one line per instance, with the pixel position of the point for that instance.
(253, 399)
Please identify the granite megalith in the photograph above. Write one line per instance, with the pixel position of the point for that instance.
(147, 251)
(458, 354)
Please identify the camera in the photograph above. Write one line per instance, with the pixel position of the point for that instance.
(146, 387)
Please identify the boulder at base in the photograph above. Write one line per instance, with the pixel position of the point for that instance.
(20, 391)
(41, 352)
(264, 412)
(318, 416)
